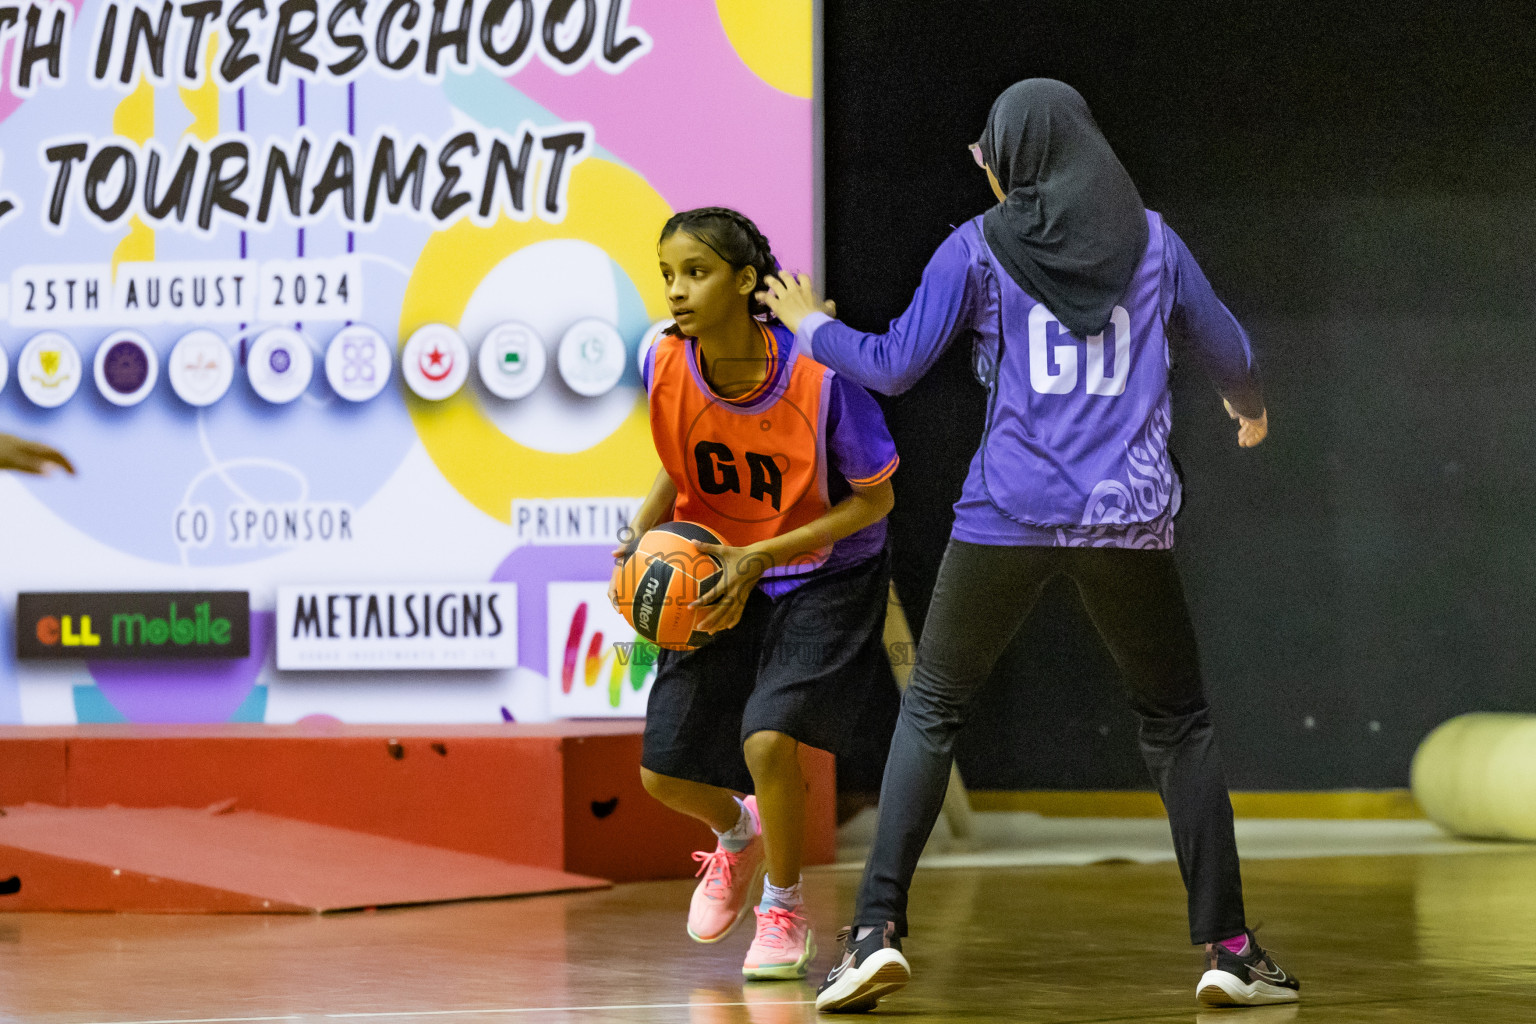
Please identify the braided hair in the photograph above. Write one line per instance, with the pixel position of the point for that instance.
(735, 239)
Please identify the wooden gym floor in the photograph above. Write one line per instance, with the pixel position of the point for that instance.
(1409, 938)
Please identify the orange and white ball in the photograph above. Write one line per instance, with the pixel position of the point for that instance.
(666, 574)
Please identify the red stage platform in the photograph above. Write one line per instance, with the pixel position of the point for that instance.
(565, 797)
(177, 860)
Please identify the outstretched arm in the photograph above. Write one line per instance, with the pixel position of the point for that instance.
(894, 361)
(1200, 322)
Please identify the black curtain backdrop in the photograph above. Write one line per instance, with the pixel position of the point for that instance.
(1359, 183)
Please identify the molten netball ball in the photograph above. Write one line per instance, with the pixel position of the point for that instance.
(666, 574)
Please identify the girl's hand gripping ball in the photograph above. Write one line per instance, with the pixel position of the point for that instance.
(655, 586)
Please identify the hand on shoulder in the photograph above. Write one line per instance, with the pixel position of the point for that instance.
(792, 297)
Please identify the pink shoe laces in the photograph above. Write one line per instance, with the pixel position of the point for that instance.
(716, 867)
(774, 924)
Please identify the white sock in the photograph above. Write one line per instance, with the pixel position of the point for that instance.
(787, 898)
(863, 932)
(736, 838)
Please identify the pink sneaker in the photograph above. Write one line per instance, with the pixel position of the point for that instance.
(783, 947)
(722, 898)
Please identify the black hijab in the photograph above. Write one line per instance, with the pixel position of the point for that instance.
(1072, 229)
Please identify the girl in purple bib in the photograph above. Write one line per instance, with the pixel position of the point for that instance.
(1073, 296)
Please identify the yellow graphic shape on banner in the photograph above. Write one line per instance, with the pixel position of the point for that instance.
(608, 206)
(134, 119)
(775, 40)
(203, 102)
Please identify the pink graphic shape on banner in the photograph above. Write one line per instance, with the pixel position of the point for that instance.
(9, 101)
(694, 144)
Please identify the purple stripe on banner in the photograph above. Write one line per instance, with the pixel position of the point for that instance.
(240, 120)
(240, 108)
(301, 125)
(351, 130)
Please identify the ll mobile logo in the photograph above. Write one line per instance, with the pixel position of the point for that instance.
(133, 626)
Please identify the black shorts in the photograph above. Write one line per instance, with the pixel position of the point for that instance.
(802, 665)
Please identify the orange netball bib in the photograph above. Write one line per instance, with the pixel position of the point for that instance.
(751, 468)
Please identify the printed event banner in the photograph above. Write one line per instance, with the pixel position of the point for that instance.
(326, 291)
(126, 626)
(461, 626)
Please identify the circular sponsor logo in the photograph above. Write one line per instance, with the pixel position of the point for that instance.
(200, 367)
(591, 357)
(652, 336)
(435, 362)
(358, 363)
(48, 369)
(548, 276)
(126, 368)
(280, 365)
(512, 360)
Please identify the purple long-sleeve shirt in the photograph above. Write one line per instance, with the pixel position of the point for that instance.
(1076, 444)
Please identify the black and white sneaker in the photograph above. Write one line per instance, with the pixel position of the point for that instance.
(1252, 980)
(868, 971)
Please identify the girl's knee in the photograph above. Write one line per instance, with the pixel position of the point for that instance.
(770, 752)
(934, 707)
(659, 786)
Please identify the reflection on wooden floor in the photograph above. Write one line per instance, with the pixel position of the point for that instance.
(1435, 938)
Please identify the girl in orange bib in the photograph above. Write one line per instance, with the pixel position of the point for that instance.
(791, 465)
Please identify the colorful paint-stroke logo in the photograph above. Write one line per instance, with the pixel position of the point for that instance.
(620, 661)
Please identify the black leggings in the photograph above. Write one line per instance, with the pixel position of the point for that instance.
(1136, 602)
